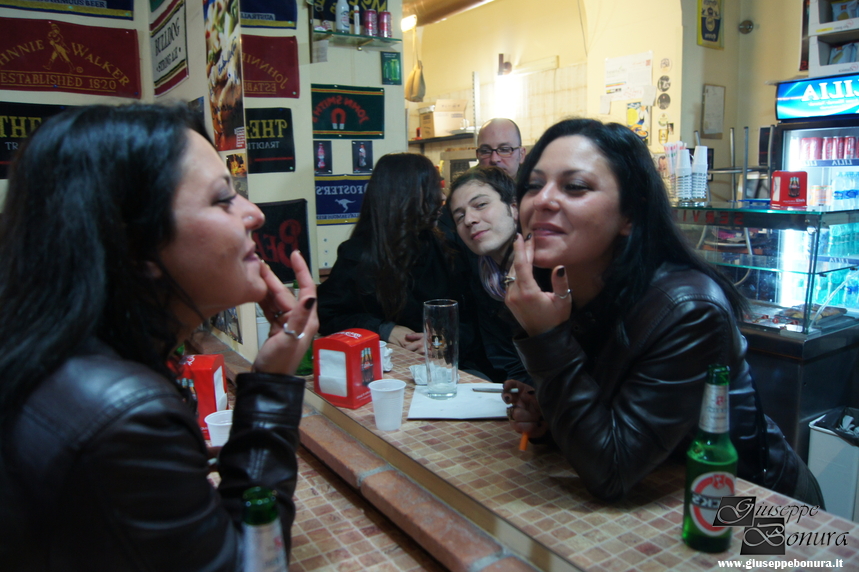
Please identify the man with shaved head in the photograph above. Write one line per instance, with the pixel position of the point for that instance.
(499, 144)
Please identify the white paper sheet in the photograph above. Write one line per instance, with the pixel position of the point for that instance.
(467, 404)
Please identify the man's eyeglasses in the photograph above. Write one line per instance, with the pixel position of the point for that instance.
(503, 151)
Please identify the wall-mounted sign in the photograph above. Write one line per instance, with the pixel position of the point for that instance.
(270, 66)
(47, 55)
(271, 143)
(710, 24)
(224, 73)
(339, 198)
(347, 112)
(285, 230)
(268, 13)
(121, 9)
(168, 42)
(835, 96)
(17, 122)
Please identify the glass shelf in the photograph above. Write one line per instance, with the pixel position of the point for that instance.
(353, 40)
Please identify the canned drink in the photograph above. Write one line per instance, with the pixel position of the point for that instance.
(811, 148)
(369, 22)
(830, 146)
(839, 148)
(385, 24)
(849, 148)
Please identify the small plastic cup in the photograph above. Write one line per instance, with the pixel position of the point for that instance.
(219, 424)
(388, 395)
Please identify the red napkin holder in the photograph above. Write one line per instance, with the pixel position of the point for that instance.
(344, 364)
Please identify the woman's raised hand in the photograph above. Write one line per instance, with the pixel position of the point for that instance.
(293, 322)
(535, 310)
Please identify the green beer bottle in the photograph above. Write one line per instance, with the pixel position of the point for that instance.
(264, 550)
(711, 468)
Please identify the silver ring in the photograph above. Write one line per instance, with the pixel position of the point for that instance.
(292, 333)
(278, 314)
(565, 296)
(508, 280)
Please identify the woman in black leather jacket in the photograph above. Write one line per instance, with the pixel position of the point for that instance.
(619, 339)
(121, 234)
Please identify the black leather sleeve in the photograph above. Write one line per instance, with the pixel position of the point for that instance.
(616, 428)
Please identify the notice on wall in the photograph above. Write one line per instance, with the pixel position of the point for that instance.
(270, 66)
(224, 73)
(168, 42)
(626, 77)
(347, 112)
(271, 143)
(268, 13)
(17, 122)
(285, 230)
(339, 198)
(121, 9)
(47, 55)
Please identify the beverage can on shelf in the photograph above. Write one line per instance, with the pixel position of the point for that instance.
(839, 148)
(849, 148)
(370, 22)
(385, 24)
(811, 148)
(830, 147)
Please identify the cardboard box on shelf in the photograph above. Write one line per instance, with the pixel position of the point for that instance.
(443, 118)
(827, 17)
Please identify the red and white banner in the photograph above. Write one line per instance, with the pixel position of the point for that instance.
(46, 55)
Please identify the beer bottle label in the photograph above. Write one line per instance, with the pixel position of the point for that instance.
(264, 549)
(714, 409)
(705, 495)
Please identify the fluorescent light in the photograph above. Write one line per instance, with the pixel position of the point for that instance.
(409, 22)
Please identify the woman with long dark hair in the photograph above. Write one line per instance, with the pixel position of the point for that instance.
(622, 318)
(121, 234)
(401, 253)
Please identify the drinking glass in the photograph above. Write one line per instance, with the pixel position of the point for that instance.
(441, 342)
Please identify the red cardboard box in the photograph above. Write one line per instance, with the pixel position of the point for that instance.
(789, 189)
(205, 376)
(344, 364)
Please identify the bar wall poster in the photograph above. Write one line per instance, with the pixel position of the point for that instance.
(120, 9)
(224, 73)
(339, 198)
(17, 122)
(271, 140)
(391, 68)
(710, 24)
(48, 55)
(285, 230)
(348, 112)
(270, 66)
(168, 41)
(269, 13)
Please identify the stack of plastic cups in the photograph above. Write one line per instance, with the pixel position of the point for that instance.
(699, 176)
(684, 178)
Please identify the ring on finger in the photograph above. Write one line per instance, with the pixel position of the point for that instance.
(278, 314)
(292, 333)
(508, 280)
(565, 296)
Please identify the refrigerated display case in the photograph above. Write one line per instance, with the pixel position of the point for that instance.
(799, 272)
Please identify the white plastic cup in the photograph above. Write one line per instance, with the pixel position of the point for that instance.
(219, 424)
(388, 395)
